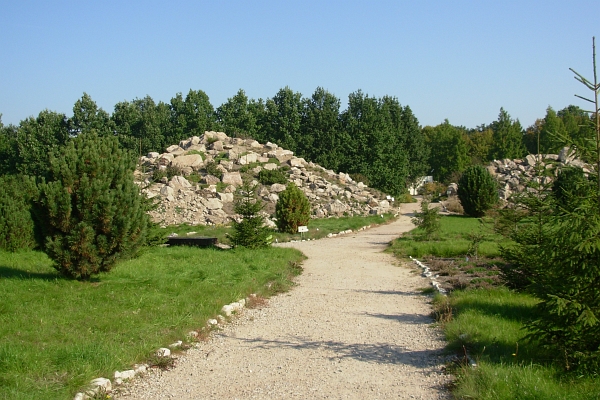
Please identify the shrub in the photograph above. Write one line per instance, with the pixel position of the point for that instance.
(433, 189)
(16, 222)
(406, 198)
(91, 211)
(477, 191)
(269, 177)
(211, 169)
(428, 220)
(250, 231)
(292, 209)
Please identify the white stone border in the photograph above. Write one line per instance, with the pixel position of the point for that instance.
(428, 274)
(103, 384)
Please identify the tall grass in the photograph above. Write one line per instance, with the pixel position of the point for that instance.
(57, 334)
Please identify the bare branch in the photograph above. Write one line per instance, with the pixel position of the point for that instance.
(583, 98)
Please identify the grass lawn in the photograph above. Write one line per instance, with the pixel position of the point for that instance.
(453, 239)
(58, 334)
(317, 228)
(487, 325)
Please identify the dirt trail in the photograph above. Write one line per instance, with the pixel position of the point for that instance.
(355, 327)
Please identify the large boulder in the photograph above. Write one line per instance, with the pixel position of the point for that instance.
(179, 182)
(192, 160)
(212, 203)
(336, 207)
(248, 158)
(232, 178)
(277, 188)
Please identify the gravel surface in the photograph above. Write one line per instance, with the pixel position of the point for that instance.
(354, 327)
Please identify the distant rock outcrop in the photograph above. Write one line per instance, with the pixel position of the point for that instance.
(198, 197)
(513, 175)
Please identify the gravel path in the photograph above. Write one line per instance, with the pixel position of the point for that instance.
(354, 327)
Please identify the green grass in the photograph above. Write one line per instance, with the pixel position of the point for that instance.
(453, 239)
(219, 231)
(488, 325)
(317, 228)
(57, 334)
(321, 227)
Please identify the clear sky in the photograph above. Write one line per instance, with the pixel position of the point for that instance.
(460, 60)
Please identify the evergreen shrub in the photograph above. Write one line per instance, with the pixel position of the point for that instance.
(292, 209)
(90, 210)
(269, 177)
(477, 191)
(211, 169)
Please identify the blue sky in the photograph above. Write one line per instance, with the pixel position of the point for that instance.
(460, 60)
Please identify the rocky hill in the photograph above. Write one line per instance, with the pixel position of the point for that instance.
(512, 175)
(195, 181)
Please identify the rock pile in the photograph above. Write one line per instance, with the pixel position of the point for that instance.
(513, 175)
(210, 169)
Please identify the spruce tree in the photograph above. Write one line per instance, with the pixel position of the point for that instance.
(250, 231)
(90, 210)
(568, 314)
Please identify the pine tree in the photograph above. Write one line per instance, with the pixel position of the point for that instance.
(90, 210)
(292, 209)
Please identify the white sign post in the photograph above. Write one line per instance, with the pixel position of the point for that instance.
(302, 230)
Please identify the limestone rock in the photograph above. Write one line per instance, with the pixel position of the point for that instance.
(192, 160)
(336, 207)
(178, 182)
(210, 180)
(227, 310)
(248, 158)
(225, 197)
(129, 374)
(232, 178)
(212, 203)
(174, 148)
(297, 162)
(277, 188)
(163, 352)
(101, 383)
(166, 191)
